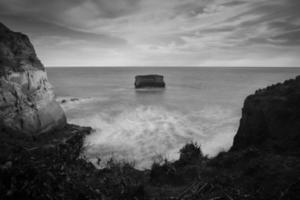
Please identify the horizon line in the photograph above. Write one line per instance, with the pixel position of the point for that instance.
(136, 66)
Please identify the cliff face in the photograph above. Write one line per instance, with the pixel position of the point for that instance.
(27, 103)
(271, 119)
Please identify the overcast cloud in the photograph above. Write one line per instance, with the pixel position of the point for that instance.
(159, 32)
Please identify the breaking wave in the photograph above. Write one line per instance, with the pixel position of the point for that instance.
(146, 132)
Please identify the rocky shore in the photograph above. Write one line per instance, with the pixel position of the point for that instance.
(27, 103)
(41, 155)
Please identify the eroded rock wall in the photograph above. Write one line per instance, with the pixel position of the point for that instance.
(271, 119)
(27, 101)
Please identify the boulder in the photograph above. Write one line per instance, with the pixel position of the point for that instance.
(27, 101)
(149, 81)
(271, 119)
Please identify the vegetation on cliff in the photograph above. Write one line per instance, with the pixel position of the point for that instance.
(16, 52)
(51, 167)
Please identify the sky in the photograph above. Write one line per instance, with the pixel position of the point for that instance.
(159, 32)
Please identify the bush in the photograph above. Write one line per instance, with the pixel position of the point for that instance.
(163, 173)
(191, 153)
(180, 172)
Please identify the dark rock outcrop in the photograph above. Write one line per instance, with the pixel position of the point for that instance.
(27, 103)
(46, 167)
(149, 81)
(271, 119)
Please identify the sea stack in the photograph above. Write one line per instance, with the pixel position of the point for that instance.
(27, 101)
(149, 81)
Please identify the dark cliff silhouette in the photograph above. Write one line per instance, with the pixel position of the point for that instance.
(271, 119)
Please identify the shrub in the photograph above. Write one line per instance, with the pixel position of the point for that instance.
(119, 165)
(191, 153)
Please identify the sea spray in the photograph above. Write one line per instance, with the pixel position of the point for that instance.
(143, 133)
(199, 104)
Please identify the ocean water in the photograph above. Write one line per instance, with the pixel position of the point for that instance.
(200, 105)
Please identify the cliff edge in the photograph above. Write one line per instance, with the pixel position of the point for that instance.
(27, 101)
(271, 119)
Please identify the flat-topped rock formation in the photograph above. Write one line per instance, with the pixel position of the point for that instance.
(27, 103)
(149, 81)
(271, 118)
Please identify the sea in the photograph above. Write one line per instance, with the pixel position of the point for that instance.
(199, 105)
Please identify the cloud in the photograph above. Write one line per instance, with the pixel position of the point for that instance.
(116, 8)
(233, 3)
(289, 38)
(155, 32)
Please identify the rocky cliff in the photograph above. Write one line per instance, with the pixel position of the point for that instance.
(27, 103)
(271, 119)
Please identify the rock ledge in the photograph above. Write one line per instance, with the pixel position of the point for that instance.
(27, 101)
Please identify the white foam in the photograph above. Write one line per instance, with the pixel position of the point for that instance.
(143, 133)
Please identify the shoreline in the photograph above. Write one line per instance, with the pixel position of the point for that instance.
(60, 167)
